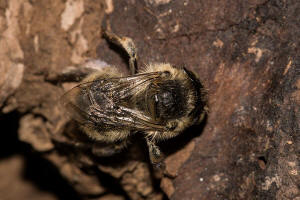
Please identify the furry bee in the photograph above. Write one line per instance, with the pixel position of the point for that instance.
(160, 102)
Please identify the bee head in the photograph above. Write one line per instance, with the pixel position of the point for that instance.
(166, 100)
(177, 99)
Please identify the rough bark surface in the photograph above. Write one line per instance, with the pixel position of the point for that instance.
(246, 53)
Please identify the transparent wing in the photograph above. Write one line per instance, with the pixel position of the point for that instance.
(105, 103)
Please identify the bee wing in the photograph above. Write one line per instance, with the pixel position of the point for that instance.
(74, 109)
(105, 103)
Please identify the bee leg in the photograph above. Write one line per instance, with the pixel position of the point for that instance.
(78, 73)
(70, 74)
(125, 43)
(156, 156)
(103, 150)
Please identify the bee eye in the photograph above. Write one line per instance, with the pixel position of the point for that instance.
(156, 98)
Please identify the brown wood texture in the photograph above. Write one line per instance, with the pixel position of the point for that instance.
(246, 54)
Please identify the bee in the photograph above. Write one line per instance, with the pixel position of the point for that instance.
(160, 102)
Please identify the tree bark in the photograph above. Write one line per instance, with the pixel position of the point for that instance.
(246, 53)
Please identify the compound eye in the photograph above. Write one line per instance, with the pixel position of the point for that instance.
(151, 102)
(157, 105)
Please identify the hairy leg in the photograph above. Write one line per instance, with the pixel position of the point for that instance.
(156, 156)
(125, 43)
